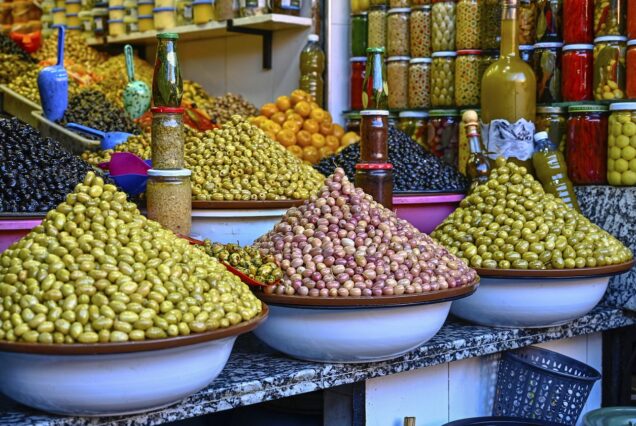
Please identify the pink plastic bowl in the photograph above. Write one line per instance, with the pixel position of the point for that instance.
(11, 230)
(426, 211)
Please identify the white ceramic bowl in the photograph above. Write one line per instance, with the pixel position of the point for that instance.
(241, 226)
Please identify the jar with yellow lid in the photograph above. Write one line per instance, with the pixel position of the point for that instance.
(358, 6)
(116, 27)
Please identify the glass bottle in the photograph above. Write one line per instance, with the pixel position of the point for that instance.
(167, 85)
(478, 165)
(312, 65)
(376, 94)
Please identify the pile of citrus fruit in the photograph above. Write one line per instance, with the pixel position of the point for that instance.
(301, 126)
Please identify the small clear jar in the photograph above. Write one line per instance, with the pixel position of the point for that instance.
(490, 22)
(443, 25)
(578, 72)
(167, 140)
(443, 79)
(586, 147)
(397, 29)
(609, 17)
(609, 68)
(359, 34)
(467, 78)
(203, 11)
(546, 61)
(420, 32)
(468, 27)
(549, 17)
(443, 133)
(397, 69)
(169, 199)
(526, 21)
(552, 120)
(224, 10)
(377, 27)
(253, 7)
(525, 52)
(420, 83)
(630, 87)
(621, 157)
(413, 123)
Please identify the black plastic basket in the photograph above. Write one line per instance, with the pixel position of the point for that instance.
(535, 383)
(500, 421)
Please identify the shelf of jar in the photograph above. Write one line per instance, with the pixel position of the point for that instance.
(215, 29)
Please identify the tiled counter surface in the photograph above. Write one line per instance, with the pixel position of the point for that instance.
(256, 373)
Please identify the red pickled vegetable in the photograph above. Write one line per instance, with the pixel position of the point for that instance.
(587, 148)
(578, 73)
(578, 21)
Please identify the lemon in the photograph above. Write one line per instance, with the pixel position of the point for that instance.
(622, 141)
(628, 153)
(614, 178)
(629, 178)
(621, 165)
(615, 153)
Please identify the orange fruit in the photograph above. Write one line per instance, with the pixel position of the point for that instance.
(291, 125)
(283, 103)
(303, 138)
(332, 142)
(318, 140)
(297, 118)
(258, 121)
(311, 126)
(313, 104)
(278, 118)
(338, 131)
(268, 109)
(286, 137)
(349, 138)
(325, 151)
(296, 150)
(326, 128)
(303, 108)
(328, 118)
(271, 135)
(311, 154)
(317, 114)
(271, 127)
(297, 96)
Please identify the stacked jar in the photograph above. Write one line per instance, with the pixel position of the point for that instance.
(609, 67)
(73, 8)
(443, 133)
(169, 192)
(145, 20)
(586, 148)
(356, 81)
(116, 14)
(374, 174)
(621, 158)
(413, 123)
(546, 61)
(578, 72)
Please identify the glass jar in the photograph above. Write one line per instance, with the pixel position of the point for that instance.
(549, 25)
(358, 65)
(413, 123)
(352, 122)
(398, 80)
(253, 7)
(527, 21)
(374, 128)
(224, 10)
(525, 52)
(116, 27)
(631, 70)
(443, 79)
(185, 14)
(621, 157)
(377, 27)
(490, 22)
(578, 21)
(443, 25)
(167, 141)
(420, 32)
(116, 13)
(359, 34)
(358, 6)
(165, 18)
(488, 57)
(546, 61)
(169, 196)
(374, 95)
(631, 20)
(397, 32)
(609, 17)
(609, 68)
(167, 85)
(287, 7)
(468, 28)
(578, 72)
(420, 83)
(203, 11)
(377, 181)
(146, 23)
(552, 120)
(586, 148)
(442, 135)
(463, 149)
(399, 3)
(467, 78)
(144, 7)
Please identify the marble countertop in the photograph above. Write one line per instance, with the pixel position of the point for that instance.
(255, 373)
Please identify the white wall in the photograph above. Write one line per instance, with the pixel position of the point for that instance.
(337, 52)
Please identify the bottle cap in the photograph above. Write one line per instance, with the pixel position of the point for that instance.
(173, 36)
(368, 112)
(540, 136)
(399, 10)
(313, 37)
(578, 47)
(421, 61)
(413, 114)
(374, 166)
(602, 39)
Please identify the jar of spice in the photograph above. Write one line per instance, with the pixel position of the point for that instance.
(374, 134)
(443, 133)
(413, 123)
(468, 28)
(525, 52)
(467, 78)
(586, 148)
(377, 27)
(377, 181)
(420, 83)
(547, 68)
(578, 72)
(549, 20)
(359, 34)
(443, 79)
(397, 27)
(490, 22)
(621, 161)
(609, 67)
(631, 69)
(398, 80)
(169, 196)
(358, 66)
(578, 21)
(526, 21)
(552, 120)
(443, 25)
(167, 141)
(420, 32)
(609, 17)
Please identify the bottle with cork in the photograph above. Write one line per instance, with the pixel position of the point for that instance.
(478, 165)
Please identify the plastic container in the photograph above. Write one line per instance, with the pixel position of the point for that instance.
(578, 21)
(546, 61)
(376, 36)
(374, 134)
(71, 141)
(443, 25)
(540, 384)
(144, 8)
(443, 79)
(609, 17)
(312, 66)
(420, 83)
(609, 68)
(586, 148)
(550, 13)
(146, 23)
(621, 156)
(553, 120)
(398, 80)
(578, 72)
(425, 211)
(116, 27)
(72, 21)
(467, 78)
(630, 85)
(359, 24)
(413, 123)
(169, 196)
(526, 21)
(468, 27)
(116, 13)
(165, 18)
(443, 132)
(610, 416)
(168, 140)
(356, 81)
(397, 32)
(18, 106)
(13, 229)
(202, 11)
(420, 31)
(376, 179)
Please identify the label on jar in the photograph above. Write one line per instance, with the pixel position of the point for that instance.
(290, 4)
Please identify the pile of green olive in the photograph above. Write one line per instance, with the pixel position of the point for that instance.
(247, 260)
(509, 222)
(97, 271)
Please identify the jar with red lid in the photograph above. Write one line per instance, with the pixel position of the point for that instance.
(577, 65)
(376, 179)
(586, 148)
(358, 66)
(578, 21)
(630, 88)
(443, 134)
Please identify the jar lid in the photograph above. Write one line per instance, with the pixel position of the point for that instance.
(443, 113)
(375, 49)
(198, 2)
(468, 52)
(623, 106)
(146, 17)
(164, 9)
(116, 8)
(413, 114)
(578, 47)
(73, 1)
(115, 21)
(167, 110)
(58, 9)
(609, 38)
(587, 108)
(463, 110)
(354, 115)
(368, 112)
(550, 110)
(71, 15)
(421, 61)
(423, 7)
(525, 47)
(379, 7)
(398, 58)
(548, 45)
(146, 2)
(354, 58)
(400, 10)
(99, 12)
(631, 42)
(360, 14)
(169, 172)
(444, 54)
(173, 36)
(373, 166)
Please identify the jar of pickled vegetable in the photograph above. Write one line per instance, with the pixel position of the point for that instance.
(526, 21)
(546, 62)
(609, 67)
(420, 83)
(549, 24)
(397, 69)
(443, 25)
(468, 28)
(352, 122)
(609, 17)
(358, 66)
(399, 3)
(443, 79)
(420, 32)
(442, 135)
(359, 34)
(578, 21)
(621, 157)
(525, 52)
(490, 22)
(552, 120)
(578, 72)
(358, 6)
(631, 20)
(467, 78)
(413, 123)
(397, 32)
(586, 148)
(377, 27)
(631, 69)
(463, 150)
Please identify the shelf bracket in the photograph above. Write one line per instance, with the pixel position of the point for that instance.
(267, 40)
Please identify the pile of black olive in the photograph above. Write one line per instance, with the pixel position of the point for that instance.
(91, 108)
(36, 173)
(414, 168)
(10, 47)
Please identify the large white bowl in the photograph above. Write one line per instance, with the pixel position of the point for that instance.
(241, 226)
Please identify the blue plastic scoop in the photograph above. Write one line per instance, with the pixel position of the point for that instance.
(53, 84)
(109, 139)
(136, 94)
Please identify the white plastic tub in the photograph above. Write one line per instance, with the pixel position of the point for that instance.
(18, 106)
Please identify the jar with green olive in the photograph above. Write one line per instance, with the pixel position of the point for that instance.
(420, 31)
(610, 17)
(397, 27)
(443, 25)
(376, 27)
(420, 83)
(468, 28)
(553, 120)
(467, 78)
(609, 68)
(397, 69)
(490, 22)
(413, 123)
(443, 79)
(621, 158)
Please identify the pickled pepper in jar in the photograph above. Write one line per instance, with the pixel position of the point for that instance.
(578, 21)
(549, 25)
(609, 17)
(586, 148)
(547, 69)
(578, 72)
(468, 35)
(631, 67)
(631, 20)
(609, 68)
(375, 87)
(358, 65)
(167, 85)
